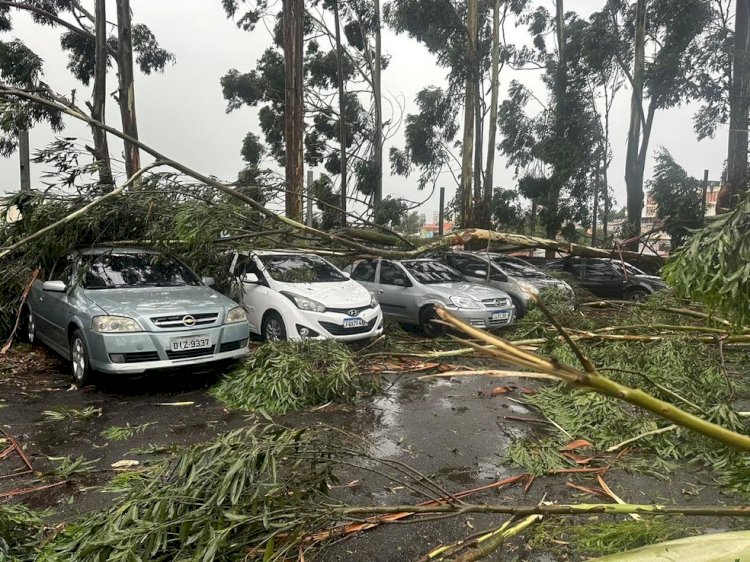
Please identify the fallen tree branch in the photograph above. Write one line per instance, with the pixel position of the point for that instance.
(82, 211)
(513, 354)
(490, 373)
(557, 509)
(24, 296)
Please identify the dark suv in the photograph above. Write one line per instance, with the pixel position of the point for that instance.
(608, 278)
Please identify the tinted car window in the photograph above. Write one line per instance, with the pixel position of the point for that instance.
(390, 274)
(114, 271)
(62, 270)
(599, 269)
(469, 265)
(300, 269)
(630, 269)
(365, 271)
(517, 268)
(427, 272)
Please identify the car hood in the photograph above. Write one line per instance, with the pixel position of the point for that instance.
(165, 301)
(466, 290)
(338, 294)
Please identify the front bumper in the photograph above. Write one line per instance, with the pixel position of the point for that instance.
(486, 318)
(330, 325)
(145, 351)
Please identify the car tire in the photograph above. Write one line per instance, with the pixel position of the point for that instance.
(638, 294)
(426, 321)
(273, 327)
(520, 310)
(79, 355)
(27, 328)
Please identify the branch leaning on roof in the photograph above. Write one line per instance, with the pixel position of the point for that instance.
(453, 239)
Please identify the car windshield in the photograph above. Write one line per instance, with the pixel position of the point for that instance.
(517, 268)
(629, 269)
(427, 272)
(300, 269)
(119, 270)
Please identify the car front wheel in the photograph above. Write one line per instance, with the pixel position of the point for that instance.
(637, 295)
(274, 328)
(428, 321)
(80, 358)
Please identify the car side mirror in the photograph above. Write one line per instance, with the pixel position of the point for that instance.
(346, 274)
(480, 272)
(249, 278)
(54, 286)
(399, 282)
(208, 281)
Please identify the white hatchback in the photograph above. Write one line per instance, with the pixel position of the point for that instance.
(295, 295)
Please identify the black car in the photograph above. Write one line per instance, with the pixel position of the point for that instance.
(608, 278)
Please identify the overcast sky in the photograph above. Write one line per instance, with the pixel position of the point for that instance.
(182, 113)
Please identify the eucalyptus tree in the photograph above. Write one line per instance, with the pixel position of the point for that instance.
(653, 43)
(336, 123)
(553, 144)
(91, 49)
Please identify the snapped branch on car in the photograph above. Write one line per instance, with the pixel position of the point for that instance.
(127, 311)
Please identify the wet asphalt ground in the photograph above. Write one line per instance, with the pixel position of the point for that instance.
(448, 429)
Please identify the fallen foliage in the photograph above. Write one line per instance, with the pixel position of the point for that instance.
(286, 376)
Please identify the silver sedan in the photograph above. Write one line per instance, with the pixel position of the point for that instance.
(409, 291)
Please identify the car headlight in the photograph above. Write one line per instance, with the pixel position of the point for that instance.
(114, 324)
(373, 301)
(237, 314)
(303, 303)
(528, 288)
(464, 302)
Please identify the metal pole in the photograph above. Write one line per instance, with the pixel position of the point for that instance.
(703, 198)
(25, 160)
(441, 212)
(309, 221)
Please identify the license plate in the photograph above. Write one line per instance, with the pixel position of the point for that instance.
(500, 315)
(191, 342)
(354, 323)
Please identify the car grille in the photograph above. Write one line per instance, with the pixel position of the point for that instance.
(496, 303)
(178, 320)
(499, 322)
(339, 330)
(232, 345)
(348, 311)
(188, 353)
(139, 357)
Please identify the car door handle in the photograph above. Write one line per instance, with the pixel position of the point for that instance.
(381, 291)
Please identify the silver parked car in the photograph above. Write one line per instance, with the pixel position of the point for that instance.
(515, 276)
(409, 290)
(124, 310)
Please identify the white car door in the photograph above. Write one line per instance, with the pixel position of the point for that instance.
(254, 296)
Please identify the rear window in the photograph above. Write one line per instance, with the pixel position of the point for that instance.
(300, 269)
(120, 270)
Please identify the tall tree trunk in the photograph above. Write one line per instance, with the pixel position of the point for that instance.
(633, 167)
(595, 206)
(101, 148)
(467, 194)
(552, 226)
(494, 99)
(294, 125)
(126, 89)
(478, 149)
(24, 159)
(378, 99)
(342, 109)
(739, 104)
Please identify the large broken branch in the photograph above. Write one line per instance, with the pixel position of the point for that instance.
(349, 241)
(593, 380)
